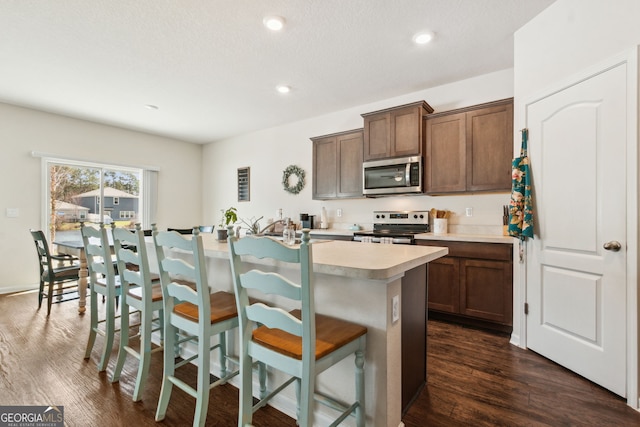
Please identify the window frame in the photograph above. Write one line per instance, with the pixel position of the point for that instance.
(147, 198)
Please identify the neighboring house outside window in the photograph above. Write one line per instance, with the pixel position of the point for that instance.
(117, 203)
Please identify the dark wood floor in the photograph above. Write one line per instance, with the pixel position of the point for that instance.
(474, 378)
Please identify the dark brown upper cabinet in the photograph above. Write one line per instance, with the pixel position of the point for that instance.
(395, 132)
(470, 149)
(337, 165)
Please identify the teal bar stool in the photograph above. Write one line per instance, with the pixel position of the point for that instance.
(102, 281)
(140, 293)
(299, 343)
(198, 313)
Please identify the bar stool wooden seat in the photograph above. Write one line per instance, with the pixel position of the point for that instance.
(198, 313)
(300, 343)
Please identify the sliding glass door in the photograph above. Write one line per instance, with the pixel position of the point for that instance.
(83, 192)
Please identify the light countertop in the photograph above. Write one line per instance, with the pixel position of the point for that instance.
(354, 259)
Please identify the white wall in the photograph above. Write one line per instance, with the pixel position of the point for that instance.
(269, 152)
(23, 131)
(569, 36)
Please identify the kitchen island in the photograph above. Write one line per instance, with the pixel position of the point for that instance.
(360, 282)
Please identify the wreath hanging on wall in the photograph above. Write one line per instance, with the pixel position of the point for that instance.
(299, 173)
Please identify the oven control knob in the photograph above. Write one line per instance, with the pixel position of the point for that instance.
(421, 216)
(382, 216)
(377, 216)
(415, 216)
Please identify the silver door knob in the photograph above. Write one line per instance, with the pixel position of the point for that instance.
(612, 246)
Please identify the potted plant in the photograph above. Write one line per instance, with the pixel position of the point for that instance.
(229, 216)
(252, 225)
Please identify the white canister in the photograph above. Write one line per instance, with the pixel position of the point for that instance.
(439, 225)
(323, 219)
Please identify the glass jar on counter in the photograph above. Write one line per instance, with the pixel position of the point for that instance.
(289, 233)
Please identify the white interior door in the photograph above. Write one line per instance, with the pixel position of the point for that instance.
(576, 287)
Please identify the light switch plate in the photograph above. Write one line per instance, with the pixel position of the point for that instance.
(13, 212)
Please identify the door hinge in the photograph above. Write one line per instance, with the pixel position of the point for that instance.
(526, 308)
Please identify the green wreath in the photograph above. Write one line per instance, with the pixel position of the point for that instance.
(299, 173)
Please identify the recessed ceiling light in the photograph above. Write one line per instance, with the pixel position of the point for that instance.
(151, 107)
(274, 23)
(283, 88)
(423, 37)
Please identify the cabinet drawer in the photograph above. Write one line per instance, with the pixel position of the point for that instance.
(491, 251)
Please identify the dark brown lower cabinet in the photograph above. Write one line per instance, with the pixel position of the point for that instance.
(473, 284)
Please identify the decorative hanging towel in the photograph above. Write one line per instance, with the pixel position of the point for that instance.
(521, 204)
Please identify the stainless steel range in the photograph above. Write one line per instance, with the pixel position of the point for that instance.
(396, 227)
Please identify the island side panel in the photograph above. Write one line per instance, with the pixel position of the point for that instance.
(414, 334)
(365, 302)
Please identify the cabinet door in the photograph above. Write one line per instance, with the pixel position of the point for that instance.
(406, 132)
(446, 154)
(349, 179)
(377, 135)
(486, 290)
(443, 285)
(489, 148)
(324, 168)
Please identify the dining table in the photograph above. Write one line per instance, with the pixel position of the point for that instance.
(76, 248)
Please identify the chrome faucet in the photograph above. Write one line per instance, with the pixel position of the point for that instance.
(283, 220)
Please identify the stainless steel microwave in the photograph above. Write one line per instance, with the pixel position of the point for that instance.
(402, 175)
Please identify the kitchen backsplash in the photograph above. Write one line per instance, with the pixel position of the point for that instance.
(485, 209)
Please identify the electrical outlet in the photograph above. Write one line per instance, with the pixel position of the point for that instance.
(395, 309)
(469, 211)
(338, 213)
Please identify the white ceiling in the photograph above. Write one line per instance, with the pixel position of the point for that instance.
(211, 67)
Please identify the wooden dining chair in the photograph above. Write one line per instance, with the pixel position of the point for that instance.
(140, 292)
(61, 279)
(198, 313)
(102, 281)
(301, 342)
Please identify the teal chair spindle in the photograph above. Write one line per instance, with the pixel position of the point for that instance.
(140, 293)
(301, 342)
(198, 313)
